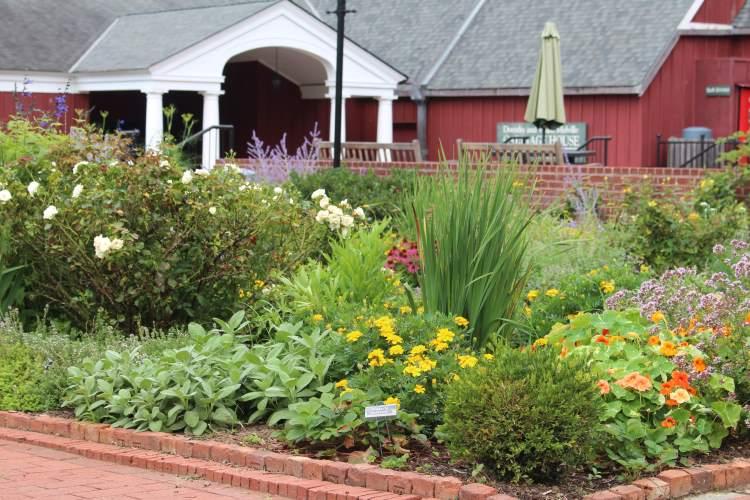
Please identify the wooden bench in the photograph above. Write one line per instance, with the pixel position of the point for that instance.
(373, 151)
(521, 154)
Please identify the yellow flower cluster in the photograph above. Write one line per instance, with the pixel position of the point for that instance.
(405, 310)
(467, 361)
(532, 295)
(387, 328)
(377, 358)
(417, 363)
(607, 286)
(353, 336)
(461, 321)
(343, 384)
(442, 340)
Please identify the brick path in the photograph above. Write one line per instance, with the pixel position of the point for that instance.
(739, 494)
(28, 471)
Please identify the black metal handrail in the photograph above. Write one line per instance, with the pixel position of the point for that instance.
(604, 139)
(699, 153)
(203, 132)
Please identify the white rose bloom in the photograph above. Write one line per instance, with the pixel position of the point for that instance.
(187, 177)
(164, 163)
(54, 163)
(278, 190)
(169, 181)
(79, 164)
(345, 232)
(335, 210)
(358, 212)
(324, 202)
(291, 201)
(116, 244)
(347, 221)
(243, 187)
(320, 193)
(77, 190)
(102, 245)
(5, 196)
(203, 172)
(212, 210)
(334, 221)
(322, 216)
(49, 212)
(32, 188)
(344, 203)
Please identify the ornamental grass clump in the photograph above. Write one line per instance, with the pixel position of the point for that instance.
(471, 230)
(527, 416)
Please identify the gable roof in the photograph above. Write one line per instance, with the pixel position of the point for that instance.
(605, 43)
(138, 41)
(742, 21)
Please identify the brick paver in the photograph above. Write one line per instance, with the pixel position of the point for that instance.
(28, 471)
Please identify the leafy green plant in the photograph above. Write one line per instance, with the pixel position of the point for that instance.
(471, 231)
(24, 383)
(381, 196)
(527, 416)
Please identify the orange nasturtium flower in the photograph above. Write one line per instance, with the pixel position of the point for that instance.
(668, 423)
(668, 349)
(699, 365)
(635, 381)
(603, 386)
(657, 317)
(654, 340)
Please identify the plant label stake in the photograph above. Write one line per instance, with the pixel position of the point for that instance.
(380, 413)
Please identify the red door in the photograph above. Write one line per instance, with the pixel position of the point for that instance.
(744, 124)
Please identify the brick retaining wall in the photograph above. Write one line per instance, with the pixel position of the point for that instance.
(554, 182)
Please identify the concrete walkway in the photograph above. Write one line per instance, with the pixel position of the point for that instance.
(28, 471)
(739, 494)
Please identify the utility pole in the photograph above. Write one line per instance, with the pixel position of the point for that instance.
(341, 13)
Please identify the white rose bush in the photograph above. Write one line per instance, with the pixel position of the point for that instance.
(142, 239)
(340, 218)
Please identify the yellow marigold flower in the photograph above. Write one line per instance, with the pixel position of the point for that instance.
(342, 384)
(419, 389)
(552, 292)
(242, 293)
(657, 317)
(693, 216)
(645, 268)
(461, 321)
(396, 350)
(418, 349)
(517, 184)
(260, 283)
(413, 371)
(420, 310)
(317, 317)
(393, 401)
(353, 336)
(668, 349)
(377, 358)
(438, 345)
(527, 311)
(627, 190)
(445, 335)
(427, 364)
(607, 286)
(489, 357)
(434, 382)
(541, 342)
(387, 305)
(652, 204)
(467, 361)
(404, 310)
(532, 295)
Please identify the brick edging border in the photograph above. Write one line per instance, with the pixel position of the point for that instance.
(275, 473)
(310, 479)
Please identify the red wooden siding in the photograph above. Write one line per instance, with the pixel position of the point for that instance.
(361, 120)
(43, 103)
(476, 119)
(718, 11)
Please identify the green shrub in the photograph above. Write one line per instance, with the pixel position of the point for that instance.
(144, 241)
(527, 416)
(472, 240)
(668, 232)
(24, 383)
(382, 197)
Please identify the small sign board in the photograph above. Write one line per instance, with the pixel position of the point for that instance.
(718, 91)
(570, 135)
(381, 412)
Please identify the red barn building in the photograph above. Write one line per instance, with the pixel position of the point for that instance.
(433, 70)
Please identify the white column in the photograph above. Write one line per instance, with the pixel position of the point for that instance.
(385, 119)
(154, 119)
(333, 118)
(211, 140)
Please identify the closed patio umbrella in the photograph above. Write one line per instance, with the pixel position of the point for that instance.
(546, 108)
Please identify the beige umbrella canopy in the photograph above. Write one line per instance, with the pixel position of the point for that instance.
(546, 108)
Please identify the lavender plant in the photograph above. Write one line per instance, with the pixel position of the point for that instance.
(274, 163)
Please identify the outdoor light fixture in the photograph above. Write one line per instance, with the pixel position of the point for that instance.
(276, 80)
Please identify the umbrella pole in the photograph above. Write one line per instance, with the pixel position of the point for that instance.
(544, 135)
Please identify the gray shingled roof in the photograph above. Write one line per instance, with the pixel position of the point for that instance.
(742, 21)
(138, 41)
(50, 35)
(605, 43)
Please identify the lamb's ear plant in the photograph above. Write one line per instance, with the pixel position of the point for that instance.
(471, 230)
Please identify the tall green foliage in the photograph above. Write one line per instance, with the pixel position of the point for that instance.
(471, 230)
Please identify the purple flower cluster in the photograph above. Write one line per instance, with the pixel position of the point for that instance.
(274, 163)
